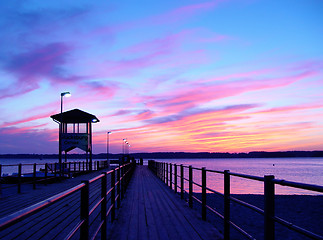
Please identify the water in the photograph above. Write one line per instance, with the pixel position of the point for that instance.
(304, 170)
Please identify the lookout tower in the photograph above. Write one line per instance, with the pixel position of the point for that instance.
(75, 131)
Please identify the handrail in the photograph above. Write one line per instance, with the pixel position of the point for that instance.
(164, 172)
(22, 214)
(51, 171)
(83, 224)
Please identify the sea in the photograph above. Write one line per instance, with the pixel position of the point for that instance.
(302, 170)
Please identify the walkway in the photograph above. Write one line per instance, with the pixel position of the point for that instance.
(150, 210)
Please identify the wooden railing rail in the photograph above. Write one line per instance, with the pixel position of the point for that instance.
(168, 171)
(50, 171)
(104, 205)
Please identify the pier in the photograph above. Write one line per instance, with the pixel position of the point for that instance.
(134, 201)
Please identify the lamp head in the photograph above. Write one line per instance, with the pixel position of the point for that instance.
(66, 94)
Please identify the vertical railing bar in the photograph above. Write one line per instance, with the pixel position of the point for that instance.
(84, 234)
(226, 204)
(104, 206)
(118, 187)
(46, 169)
(190, 198)
(269, 207)
(113, 194)
(182, 181)
(175, 178)
(166, 174)
(34, 176)
(19, 177)
(203, 193)
(170, 175)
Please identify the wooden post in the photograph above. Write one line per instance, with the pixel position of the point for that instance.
(203, 193)
(0, 180)
(46, 169)
(118, 187)
(113, 194)
(226, 204)
(122, 181)
(84, 234)
(19, 177)
(55, 169)
(166, 174)
(69, 169)
(182, 181)
(269, 207)
(190, 182)
(104, 206)
(34, 176)
(175, 178)
(163, 172)
(170, 175)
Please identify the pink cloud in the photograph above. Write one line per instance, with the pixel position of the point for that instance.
(186, 97)
(26, 120)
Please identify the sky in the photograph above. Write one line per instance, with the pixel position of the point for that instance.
(194, 76)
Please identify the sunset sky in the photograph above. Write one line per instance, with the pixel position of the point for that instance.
(211, 76)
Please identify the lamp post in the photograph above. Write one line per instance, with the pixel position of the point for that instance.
(123, 145)
(108, 133)
(66, 94)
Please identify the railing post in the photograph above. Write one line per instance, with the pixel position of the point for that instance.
(226, 204)
(46, 169)
(113, 194)
(19, 177)
(84, 235)
(55, 169)
(203, 193)
(269, 207)
(182, 181)
(118, 187)
(175, 178)
(166, 173)
(34, 176)
(0, 180)
(123, 181)
(170, 175)
(163, 172)
(190, 182)
(69, 169)
(104, 206)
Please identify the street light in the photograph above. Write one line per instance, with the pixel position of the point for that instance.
(66, 94)
(108, 133)
(123, 145)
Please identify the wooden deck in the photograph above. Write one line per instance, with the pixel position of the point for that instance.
(150, 210)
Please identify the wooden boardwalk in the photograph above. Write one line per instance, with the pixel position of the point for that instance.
(150, 210)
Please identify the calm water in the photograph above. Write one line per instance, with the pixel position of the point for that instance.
(305, 170)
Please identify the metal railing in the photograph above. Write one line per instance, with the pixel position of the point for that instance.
(94, 207)
(168, 172)
(33, 173)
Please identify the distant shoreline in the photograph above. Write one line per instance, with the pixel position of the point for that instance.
(176, 155)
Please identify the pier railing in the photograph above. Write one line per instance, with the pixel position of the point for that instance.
(174, 177)
(99, 198)
(33, 173)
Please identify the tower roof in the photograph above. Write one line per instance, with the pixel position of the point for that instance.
(75, 116)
